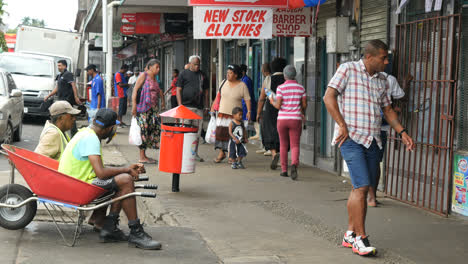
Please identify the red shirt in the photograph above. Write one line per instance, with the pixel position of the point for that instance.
(120, 90)
(174, 86)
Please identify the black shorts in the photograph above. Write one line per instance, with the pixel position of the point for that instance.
(174, 101)
(236, 150)
(109, 184)
(122, 106)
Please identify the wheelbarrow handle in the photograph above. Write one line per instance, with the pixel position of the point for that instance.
(143, 178)
(148, 194)
(146, 186)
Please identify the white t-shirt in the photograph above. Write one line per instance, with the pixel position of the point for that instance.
(394, 91)
(132, 79)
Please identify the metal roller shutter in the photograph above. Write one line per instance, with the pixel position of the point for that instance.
(373, 21)
(327, 10)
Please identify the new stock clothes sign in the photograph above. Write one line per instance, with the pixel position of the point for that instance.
(292, 22)
(232, 22)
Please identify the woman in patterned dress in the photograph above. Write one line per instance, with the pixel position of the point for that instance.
(147, 110)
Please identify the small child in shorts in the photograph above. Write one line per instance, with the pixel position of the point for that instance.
(237, 149)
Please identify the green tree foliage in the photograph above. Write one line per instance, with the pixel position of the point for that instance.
(28, 21)
(3, 45)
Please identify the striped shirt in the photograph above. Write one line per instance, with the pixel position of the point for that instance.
(292, 93)
(361, 98)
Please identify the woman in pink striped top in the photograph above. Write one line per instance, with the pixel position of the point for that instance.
(291, 100)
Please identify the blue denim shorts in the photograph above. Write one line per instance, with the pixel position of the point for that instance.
(363, 163)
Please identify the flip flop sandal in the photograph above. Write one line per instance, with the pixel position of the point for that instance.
(219, 160)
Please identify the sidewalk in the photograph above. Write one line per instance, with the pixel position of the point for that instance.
(256, 216)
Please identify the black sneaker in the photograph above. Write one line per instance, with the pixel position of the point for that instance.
(140, 239)
(284, 174)
(240, 165)
(274, 162)
(235, 166)
(110, 231)
(294, 172)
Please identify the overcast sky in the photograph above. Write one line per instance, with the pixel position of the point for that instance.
(57, 14)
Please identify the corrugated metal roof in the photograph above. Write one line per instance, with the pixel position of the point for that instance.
(373, 21)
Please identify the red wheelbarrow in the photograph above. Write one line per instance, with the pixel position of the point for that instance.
(18, 204)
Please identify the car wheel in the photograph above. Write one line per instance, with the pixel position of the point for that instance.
(18, 132)
(8, 137)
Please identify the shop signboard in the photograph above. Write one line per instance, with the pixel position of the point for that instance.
(148, 23)
(232, 3)
(292, 22)
(128, 18)
(460, 183)
(232, 22)
(128, 29)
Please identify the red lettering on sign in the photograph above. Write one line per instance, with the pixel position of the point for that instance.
(261, 18)
(235, 16)
(217, 32)
(209, 30)
(226, 30)
(236, 26)
(257, 30)
(208, 14)
(249, 16)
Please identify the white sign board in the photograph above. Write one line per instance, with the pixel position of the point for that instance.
(292, 22)
(232, 23)
(189, 153)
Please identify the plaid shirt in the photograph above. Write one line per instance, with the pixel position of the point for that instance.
(360, 100)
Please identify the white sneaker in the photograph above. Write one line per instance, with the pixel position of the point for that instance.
(267, 153)
(348, 241)
(260, 151)
(363, 247)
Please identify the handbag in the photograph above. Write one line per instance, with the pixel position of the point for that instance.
(139, 90)
(217, 100)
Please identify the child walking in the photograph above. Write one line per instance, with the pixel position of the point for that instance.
(237, 149)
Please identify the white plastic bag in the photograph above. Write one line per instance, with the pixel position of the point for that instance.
(134, 137)
(210, 136)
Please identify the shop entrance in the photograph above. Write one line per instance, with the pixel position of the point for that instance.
(428, 50)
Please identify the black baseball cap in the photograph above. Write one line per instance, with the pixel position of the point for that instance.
(106, 117)
(91, 67)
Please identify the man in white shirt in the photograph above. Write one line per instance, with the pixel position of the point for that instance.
(131, 83)
(395, 92)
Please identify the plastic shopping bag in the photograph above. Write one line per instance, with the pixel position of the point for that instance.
(210, 136)
(134, 137)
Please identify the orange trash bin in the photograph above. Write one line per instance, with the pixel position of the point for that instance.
(179, 141)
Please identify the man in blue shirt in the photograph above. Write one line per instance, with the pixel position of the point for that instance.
(98, 97)
(253, 103)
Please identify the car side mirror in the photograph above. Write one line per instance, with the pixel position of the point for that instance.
(16, 93)
(77, 72)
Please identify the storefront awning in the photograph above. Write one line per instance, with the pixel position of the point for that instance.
(93, 21)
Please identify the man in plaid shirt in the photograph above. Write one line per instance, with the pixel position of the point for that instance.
(355, 97)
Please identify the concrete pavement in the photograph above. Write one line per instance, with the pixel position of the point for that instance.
(249, 216)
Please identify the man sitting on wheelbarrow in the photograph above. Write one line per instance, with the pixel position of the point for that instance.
(53, 139)
(82, 159)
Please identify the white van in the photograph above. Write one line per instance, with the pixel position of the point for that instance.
(34, 75)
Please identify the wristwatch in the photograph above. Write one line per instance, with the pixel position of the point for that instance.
(402, 131)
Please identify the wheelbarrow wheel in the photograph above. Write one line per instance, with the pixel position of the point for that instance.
(16, 218)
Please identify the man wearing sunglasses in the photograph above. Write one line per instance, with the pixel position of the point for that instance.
(82, 159)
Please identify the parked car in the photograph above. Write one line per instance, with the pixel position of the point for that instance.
(34, 75)
(11, 109)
